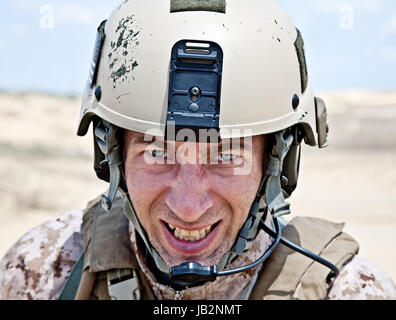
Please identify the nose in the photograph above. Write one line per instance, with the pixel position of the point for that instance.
(189, 196)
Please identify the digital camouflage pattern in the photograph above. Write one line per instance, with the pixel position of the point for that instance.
(362, 280)
(37, 266)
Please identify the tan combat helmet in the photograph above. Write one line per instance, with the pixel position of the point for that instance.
(208, 64)
(263, 68)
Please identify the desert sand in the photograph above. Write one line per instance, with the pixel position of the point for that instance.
(45, 169)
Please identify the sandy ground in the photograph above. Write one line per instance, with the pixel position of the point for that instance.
(46, 170)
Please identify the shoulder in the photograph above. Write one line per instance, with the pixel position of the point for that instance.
(361, 279)
(38, 264)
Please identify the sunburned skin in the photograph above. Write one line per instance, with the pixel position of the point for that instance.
(175, 202)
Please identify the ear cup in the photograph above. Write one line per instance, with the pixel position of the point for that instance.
(290, 171)
(100, 166)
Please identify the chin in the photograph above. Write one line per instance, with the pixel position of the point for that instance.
(204, 259)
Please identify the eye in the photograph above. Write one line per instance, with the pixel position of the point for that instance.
(230, 158)
(227, 157)
(158, 154)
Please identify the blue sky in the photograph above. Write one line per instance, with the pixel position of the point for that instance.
(350, 44)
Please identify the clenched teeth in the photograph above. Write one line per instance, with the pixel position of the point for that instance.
(190, 235)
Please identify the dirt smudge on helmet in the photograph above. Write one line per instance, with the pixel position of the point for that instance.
(122, 71)
(111, 66)
(120, 59)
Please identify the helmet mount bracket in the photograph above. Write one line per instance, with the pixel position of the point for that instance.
(195, 85)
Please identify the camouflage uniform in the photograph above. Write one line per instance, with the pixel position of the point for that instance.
(38, 265)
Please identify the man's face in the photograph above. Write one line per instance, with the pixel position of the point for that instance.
(192, 210)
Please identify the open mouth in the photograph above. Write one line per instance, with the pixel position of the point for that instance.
(190, 235)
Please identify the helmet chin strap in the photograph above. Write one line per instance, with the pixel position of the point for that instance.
(189, 274)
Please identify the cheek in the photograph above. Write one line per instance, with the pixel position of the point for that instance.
(240, 190)
(240, 194)
(143, 188)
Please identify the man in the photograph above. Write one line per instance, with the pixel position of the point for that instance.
(199, 109)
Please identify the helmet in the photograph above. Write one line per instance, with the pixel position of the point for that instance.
(217, 64)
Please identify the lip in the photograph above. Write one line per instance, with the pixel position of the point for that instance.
(190, 248)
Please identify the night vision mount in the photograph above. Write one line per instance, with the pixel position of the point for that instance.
(195, 85)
